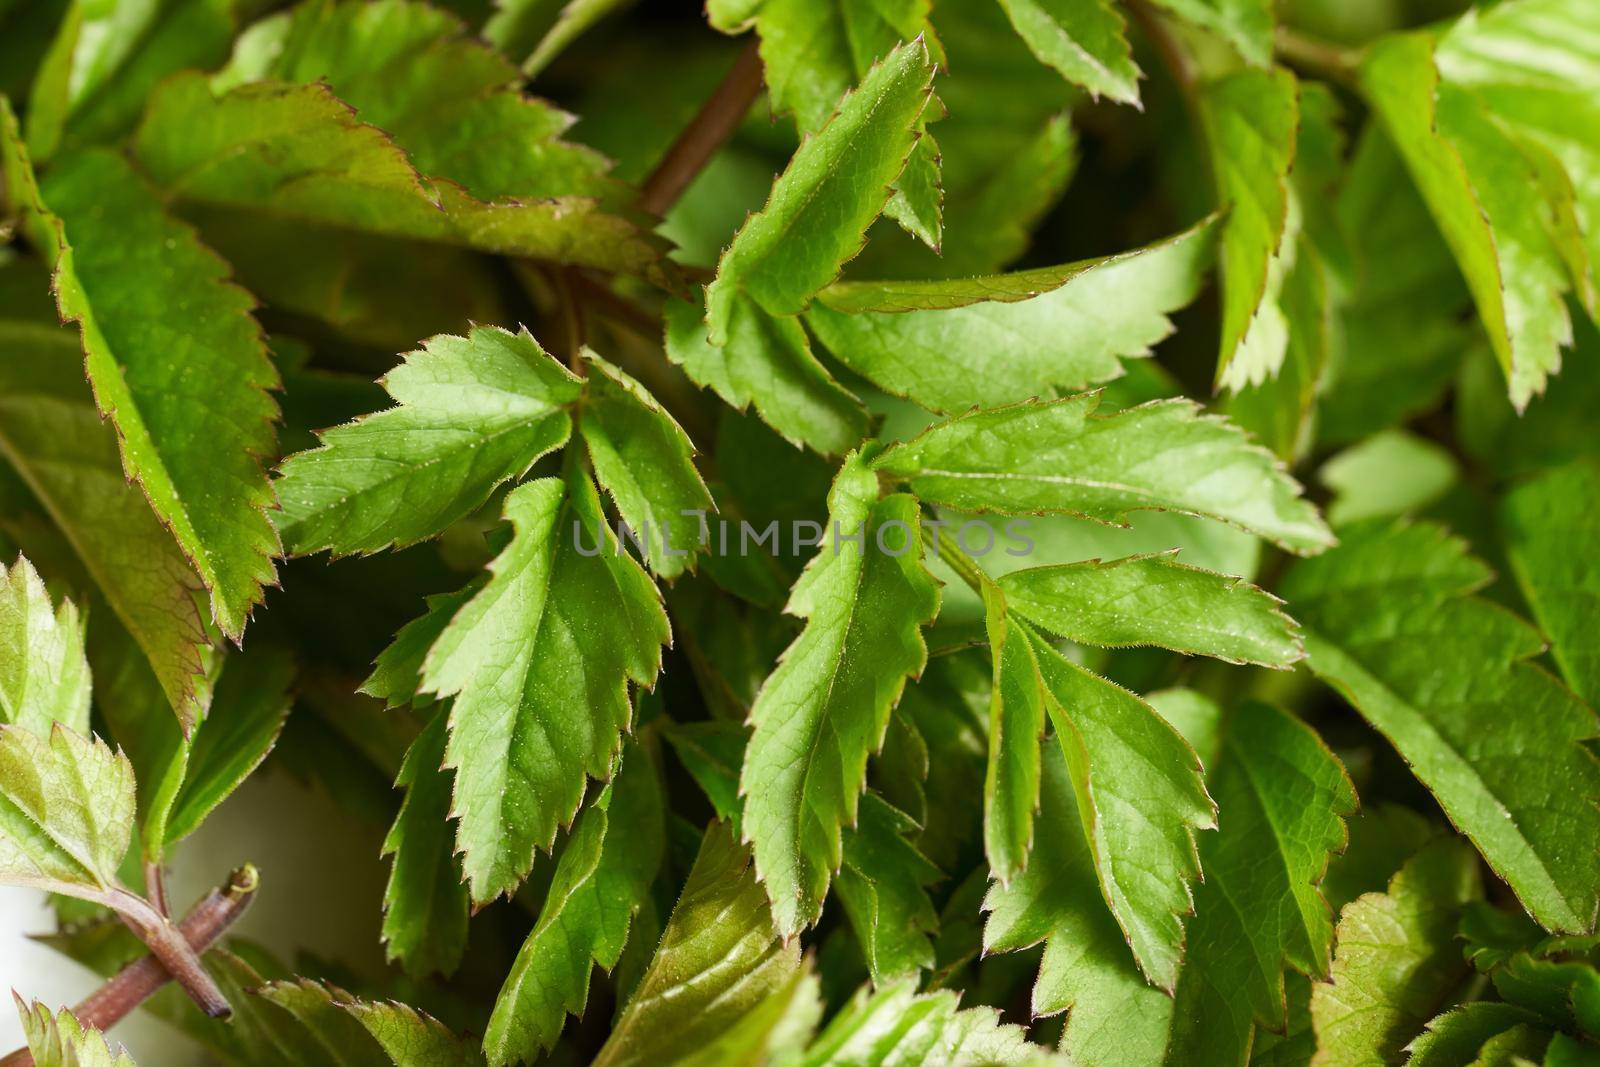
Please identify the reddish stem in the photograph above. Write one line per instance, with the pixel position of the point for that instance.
(708, 131)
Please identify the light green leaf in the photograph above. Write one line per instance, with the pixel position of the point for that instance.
(899, 1027)
(1016, 729)
(472, 413)
(144, 292)
(1548, 523)
(66, 812)
(602, 878)
(1396, 960)
(52, 436)
(1245, 24)
(1085, 40)
(643, 458)
(397, 672)
(1251, 119)
(1155, 600)
(348, 1032)
(247, 714)
(719, 961)
(767, 361)
(1117, 1017)
(1141, 801)
(426, 904)
(1472, 171)
(883, 887)
(1390, 623)
(44, 674)
(1005, 338)
(539, 662)
(59, 1040)
(295, 154)
(865, 597)
(1059, 457)
(820, 207)
(1391, 473)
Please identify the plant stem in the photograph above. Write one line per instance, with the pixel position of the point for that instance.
(155, 886)
(965, 566)
(135, 983)
(1323, 58)
(167, 944)
(706, 133)
(1173, 55)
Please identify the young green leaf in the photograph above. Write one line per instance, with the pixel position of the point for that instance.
(719, 960)
(600, 880)
(766, 360)
(1480, 187)
(66, 812)
(1059, 457)
(561, 628)
(1006, 338)
(1083, 39)
(1016, 729)
(1245, 24)
(898, 1027)
(144, 291)
(1143, 802)
(822, 204)
(1396, 960)
(865, 597)
(1155, 600)
(472, 413)
(643, 458)
(883, 886)
(396, 674)
(1390, 623)
(1251, 119)
(426, 904)
(1547, 523)
(59, 1040)
(55, 440)
(44, 674)
(344, 1030)
(1458, 1035)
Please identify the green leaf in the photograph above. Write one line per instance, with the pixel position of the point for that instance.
(66, 812)
(348, 1032)
(865, 597)
(426, 904)
(1390, 623)
(397, 672)
(1142, 800)
(766, 360)
(836, 184)
(144, 291)
(601, 879)
(1477, 175)
(52, 436)
(1251, 119)
(1456, 1036)
(535, 29)
(1245, 24)
(719, 960)
(248, 711)
(1155, 600)
(1059, 457)
(883, 887)
(561, 628)
(472, 413)
(59, 1040)
(1545, 522)
(1016, 730)
(44, 673)
(898, 1027)
(1396, 960)
(643, 458)
(294, 154)
(1085, 40)
(1391, 473)
(1005, 338)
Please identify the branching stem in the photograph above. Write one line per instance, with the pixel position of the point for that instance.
(136, 982)
(1322, 58)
